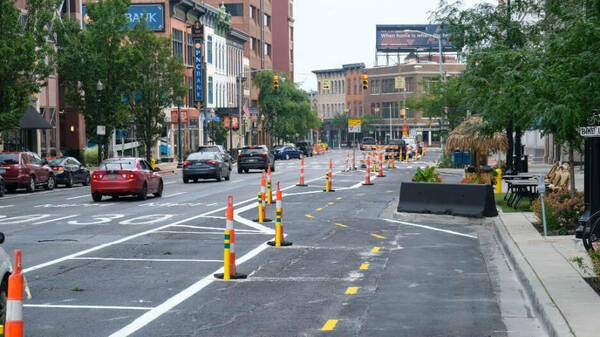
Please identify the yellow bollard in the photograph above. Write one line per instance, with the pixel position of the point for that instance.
(226, 257)
(260, 208)
(407, 155)
(393, 157)
(498, 181)
(153, 163)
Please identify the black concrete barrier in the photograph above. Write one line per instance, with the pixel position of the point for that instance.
(470, 200)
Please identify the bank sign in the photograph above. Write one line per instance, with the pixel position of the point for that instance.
(198, 70)
(153, 13)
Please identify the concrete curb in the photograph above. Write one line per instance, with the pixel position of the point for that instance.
(553, 321)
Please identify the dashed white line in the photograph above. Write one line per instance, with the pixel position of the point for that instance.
(80, 196)
(432, 228)
(57, 219)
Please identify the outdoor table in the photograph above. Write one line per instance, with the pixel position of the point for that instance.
(509, 178)
(521, 189)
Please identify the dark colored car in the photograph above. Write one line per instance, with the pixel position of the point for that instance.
(255, 157)
(25, 169)
(306, 148)
(219, 149)
(126, 176)
(206, 165)
(2, 187)
(69, 171)
(367, 141)
(287, 152)
(400, 145)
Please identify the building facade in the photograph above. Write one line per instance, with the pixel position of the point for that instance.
(283, 37)
(331, 94)
(354, 91)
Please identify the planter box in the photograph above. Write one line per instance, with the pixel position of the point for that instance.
(470, 200)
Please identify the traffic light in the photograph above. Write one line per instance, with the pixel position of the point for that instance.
(365, 82)
(276, 82)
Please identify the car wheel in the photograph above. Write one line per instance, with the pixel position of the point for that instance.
(3, 299)
(287, 156)
(159, 191)
(186, 180)
(240, 171)
(30, 184)
(219, 176)
(86, 181)
(70, 181)
(143, 195)
(50, 184)
(96, 196)
(11, 189)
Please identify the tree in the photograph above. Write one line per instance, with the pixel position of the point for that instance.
(157, 79)
(217, 132)
(99, 52)
(368, 121)
(27, 56)
(286, 112)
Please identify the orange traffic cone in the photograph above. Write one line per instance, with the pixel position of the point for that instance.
(229, 268)
(301, 183)
(368, 175)
(14, 303)
(279, 240)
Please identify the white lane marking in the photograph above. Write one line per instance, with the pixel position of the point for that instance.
(80, 196)
(172, 302)
(216, 228)
(61, 306)
(216, 217)
(26, 194)
(432, 228)
(6, 206)
(57, 219)
(214, 233)
(173, 195)
(23, 218)
(169, 182)
(212, 204)
(143, 260)
(124, 239)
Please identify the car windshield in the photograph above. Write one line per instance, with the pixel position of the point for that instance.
(120, 164)
(252, 150)
(9, 158)
(55, 161)
(202, 156)
(208, 149)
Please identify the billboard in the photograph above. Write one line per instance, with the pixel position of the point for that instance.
(153, 13)
(394, 38)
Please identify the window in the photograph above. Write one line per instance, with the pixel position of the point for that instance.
(235, 9)
(360, 112)
(190, 82)
(190, 50)
(355, 87)
(291, 33)
(252, 43)
(177, 43)
(209, 49)
(349, 87)
(267, 21)
(210, 90)
(360, 89)
(267, 49)
(251, 12)
(319, 86)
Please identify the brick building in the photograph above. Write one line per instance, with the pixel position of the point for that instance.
(354, 91)
(283, 37)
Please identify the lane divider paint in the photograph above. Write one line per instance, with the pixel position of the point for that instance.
(364, 266)
(331, 203)
(329, 325)
(351, 290)
(378, 236)
(279, 237)
(338, 198)
(308, 216)
(229, 268)
(319, 209)
(376, 249)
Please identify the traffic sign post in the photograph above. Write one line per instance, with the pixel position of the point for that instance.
(541, 188)
(354, 125)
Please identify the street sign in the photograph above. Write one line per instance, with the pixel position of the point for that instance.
(355, 122)
(399, 82)
(326, 84)
(589, 131)
(354, 128)
(101, 130)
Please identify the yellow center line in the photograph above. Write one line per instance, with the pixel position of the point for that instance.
(319, 209)
(389, 191)
(378, 236)
(338, 198)
(339, 224)
(329, 325)
(351, 290)
(331, 203)
(364, 266)
(308, 216)
(375, 249)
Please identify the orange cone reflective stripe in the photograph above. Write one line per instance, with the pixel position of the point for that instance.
(14, 303)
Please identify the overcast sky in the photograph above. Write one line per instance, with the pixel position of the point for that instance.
(329, 33)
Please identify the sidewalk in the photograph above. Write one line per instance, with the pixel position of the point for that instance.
(563, 301)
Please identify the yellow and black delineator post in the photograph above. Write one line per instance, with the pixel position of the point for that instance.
(329, 178)
(269, 189)
(406, 154)
(393, 157)
(229, 268)
(279, 240)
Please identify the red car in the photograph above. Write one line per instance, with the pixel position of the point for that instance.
(126, 176)
(25, 169)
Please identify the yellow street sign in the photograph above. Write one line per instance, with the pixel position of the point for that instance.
(354, 122)
(399, 82)
(326, 84)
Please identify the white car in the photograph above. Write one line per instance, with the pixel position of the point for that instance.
(6, 269)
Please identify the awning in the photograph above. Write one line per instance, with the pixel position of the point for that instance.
(33, 120)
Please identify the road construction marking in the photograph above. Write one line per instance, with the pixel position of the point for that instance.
(173, 195)
(308, 216)
(80, 196)
(378, 236)
(364, 266)
(23, 218)
(57, 219)
(338, 198)
(61, 306)
(146, 219)
(432, 228)
(329, 325)
(145, 260)
(351, 290)
(389, 191)
(375, 249)
(339, 224)
(331, 203)
(319, 209)
(361, 194)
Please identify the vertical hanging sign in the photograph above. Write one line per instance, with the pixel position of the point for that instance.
(198, 70)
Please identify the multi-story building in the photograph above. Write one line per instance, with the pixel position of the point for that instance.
(354, 90)
(331, 95)
(283, 37)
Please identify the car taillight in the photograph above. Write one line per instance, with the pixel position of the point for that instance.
(58, 168)
(96, 176)
(187, 163)
(262, 154)
(212, 162)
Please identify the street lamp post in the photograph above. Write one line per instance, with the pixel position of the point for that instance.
(179, 161)
(99, 87)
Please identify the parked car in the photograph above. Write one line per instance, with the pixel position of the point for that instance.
(287, 152)
(5, 270)
(400, 145)
(126, 176)
(69, 171)
(255, 157)
(25, 169)
(367, 141)
(206, 165)
(219, 149)
(2, 186)
(306, 148)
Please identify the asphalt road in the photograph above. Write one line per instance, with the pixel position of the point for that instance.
(145, 268)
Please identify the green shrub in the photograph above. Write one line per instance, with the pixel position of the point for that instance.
(445, 161)
(562, 211)
(90, 156)
(428, 175)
